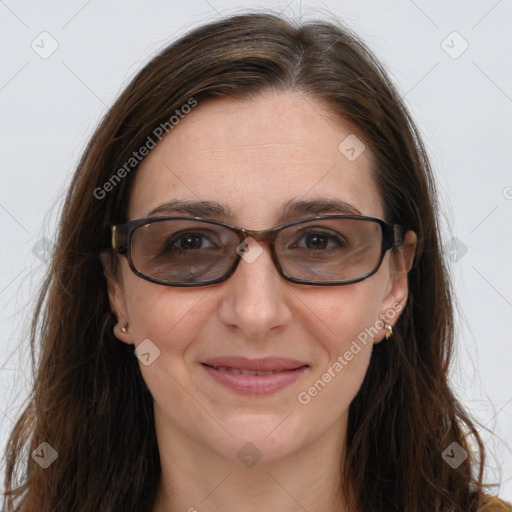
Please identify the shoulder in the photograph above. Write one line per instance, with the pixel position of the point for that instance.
(493, 504)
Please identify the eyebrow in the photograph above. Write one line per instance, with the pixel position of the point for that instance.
(292, 209)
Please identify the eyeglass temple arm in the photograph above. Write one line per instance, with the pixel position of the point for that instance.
(118, 239)
(398, 235)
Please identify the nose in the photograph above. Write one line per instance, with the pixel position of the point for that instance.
(255, 294)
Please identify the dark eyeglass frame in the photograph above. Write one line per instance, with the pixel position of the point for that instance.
(122, 235)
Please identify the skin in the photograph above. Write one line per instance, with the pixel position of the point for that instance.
(254, 155)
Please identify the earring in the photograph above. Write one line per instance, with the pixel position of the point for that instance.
(125, 327)
(390, 331)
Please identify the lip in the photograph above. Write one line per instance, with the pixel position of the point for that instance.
(255, 385)
(259, 365)
(287, 371)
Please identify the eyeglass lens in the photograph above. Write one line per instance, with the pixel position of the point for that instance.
(191, 251)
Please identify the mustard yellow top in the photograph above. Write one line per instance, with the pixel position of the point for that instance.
(493, 504)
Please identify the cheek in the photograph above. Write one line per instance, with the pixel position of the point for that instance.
(337, 316)
(344, 328)
(171, 318)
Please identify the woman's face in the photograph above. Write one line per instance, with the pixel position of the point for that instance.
(255, 156)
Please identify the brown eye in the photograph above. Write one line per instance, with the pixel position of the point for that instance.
(188, 241)
(320, 240)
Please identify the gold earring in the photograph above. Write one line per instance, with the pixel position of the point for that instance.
(125, 327)
(390, 331)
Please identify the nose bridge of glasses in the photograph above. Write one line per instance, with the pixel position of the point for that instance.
(266, 236)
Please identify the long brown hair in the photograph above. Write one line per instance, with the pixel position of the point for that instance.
(89, 400)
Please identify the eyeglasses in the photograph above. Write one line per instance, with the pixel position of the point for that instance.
(192, 251)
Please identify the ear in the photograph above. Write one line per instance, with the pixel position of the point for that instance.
(116, 296)
(398, 289)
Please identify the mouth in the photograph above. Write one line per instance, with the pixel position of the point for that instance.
(255, 377)
(241, 371)
(266, 364)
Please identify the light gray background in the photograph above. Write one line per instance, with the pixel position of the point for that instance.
(462, 105)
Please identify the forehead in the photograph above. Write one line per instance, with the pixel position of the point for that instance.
(256, 156)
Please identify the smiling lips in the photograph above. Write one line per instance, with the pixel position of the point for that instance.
(255, 376)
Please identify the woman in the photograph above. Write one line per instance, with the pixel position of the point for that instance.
(299, 363)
